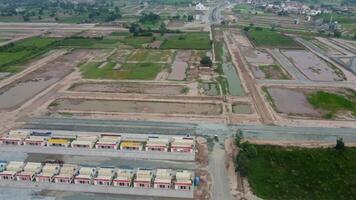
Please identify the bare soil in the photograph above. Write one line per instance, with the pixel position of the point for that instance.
(132, 106)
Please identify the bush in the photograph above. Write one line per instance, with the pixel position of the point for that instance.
(340, 144)
(206, 61)
(246, 28)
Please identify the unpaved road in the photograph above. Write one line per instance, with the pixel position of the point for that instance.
(241, 66)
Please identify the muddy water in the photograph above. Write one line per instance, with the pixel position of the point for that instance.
(233, 79)
(139, 88)
(137, 106)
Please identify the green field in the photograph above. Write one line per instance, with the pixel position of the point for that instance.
(134, 71)
(333, 103)
(300, 173)
(268, 38)
(194, 40)
(89, 42)
(145, 55)
(22, 51)
(136, 42)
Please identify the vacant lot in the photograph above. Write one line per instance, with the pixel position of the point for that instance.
(130, 106)
(313, 67)
(273, 72)
(302, 173)
(145, 55)
(141, 71)
(268, 38)
(333, 103)
(195, 40)
(22, 51)
(131, 87)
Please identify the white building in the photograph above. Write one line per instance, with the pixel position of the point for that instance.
(11, 170)
(184, 180)
(163, 179)
(124, 178)
(29, 172)
(105, 176)
(85, 176)
(66, 174)
(15, 137)
(85, 141)
(201, 7)
(48, 172)
(144, 178)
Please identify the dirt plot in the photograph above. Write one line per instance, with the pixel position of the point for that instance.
(241, 108)
(312, 66)
(120, 55)
(180, 65)
(291, 101)
(256, 58)
(96, 33)
(129, 87)
(15, 94)
(132, 106)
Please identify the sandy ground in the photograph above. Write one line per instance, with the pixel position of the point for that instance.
(135, 106)
(291, 102)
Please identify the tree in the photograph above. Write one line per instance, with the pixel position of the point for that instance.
(190, 18)
(238, 137)
(246, 28)
(135, 29)
(206, 61)
(337, 33)
(340, 144)
(242, 164)
(162, 29)
(354, 38)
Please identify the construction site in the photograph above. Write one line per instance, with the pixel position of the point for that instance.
(92, 111)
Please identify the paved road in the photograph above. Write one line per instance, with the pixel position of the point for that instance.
(262, 132)
(220, 187)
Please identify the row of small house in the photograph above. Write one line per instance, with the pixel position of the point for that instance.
(73, 174)
(104, 141)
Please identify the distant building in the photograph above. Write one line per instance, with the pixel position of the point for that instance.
(15, 137)
(200, 7)
(85, 141)
(108, 141)
(182, 144)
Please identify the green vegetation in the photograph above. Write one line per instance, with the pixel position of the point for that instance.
(269, 38)
(193, 40)
(273, 72)
(81, 42)
(146, 55)
(59, 11)
(206, 61)
(299, 173)
(210, 88)
(136, 42)
(141, 71)
(224, 84)
(19, 52)
(184, 90)
(333, 103)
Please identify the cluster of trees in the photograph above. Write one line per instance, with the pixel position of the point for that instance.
(149, 18)
(188, 18)
(103, 9)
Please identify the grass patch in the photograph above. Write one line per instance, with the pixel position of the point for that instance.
(333, 103)
(22, 51)
(273, 72)
(224, 84)
(269, 97)
(139, 71)
(269, 38)
(194, 40)
(89, 42)
(136, 42)
(300, 173)
(145, 55)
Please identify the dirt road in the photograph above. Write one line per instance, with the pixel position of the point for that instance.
(248, 80)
